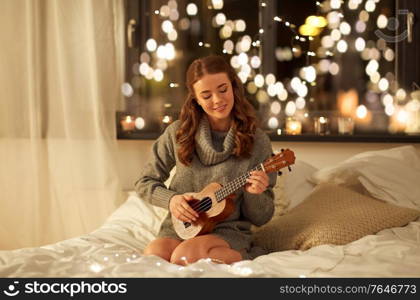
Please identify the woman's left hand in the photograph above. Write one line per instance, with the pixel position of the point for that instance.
(257, 182)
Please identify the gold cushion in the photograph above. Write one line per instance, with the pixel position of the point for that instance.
(331, 214)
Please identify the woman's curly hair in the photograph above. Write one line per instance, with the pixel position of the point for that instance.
(243, 113)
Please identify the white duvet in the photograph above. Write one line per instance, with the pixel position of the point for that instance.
(115, 250)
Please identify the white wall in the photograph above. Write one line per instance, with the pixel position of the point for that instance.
(134, 153)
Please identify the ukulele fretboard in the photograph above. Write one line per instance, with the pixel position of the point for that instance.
(235, 184)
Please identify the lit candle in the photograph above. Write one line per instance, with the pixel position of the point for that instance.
(167, 119)
(128, 124)
(398, 121)
(347, 102)
(345, 125)
(321, 126)
(413, 110)
(293, 126)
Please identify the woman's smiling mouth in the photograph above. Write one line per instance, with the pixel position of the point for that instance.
(221, 108)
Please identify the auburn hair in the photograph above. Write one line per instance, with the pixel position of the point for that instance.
(243, 114)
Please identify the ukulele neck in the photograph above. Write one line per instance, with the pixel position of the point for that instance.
(236, 184)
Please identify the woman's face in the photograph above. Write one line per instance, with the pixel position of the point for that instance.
(215, 95)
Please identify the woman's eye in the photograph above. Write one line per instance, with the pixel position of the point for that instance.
(206, 97)
(223, 91)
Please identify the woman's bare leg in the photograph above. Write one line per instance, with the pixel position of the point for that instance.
(162, 247)
(204, 246)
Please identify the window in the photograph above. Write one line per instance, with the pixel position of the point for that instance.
(321, 70)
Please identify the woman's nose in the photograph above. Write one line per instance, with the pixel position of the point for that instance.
(217, 98)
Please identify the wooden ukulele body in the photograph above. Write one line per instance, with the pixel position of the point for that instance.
(206, 221)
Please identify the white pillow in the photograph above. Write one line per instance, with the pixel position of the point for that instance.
(406, 154)
(136, 212)
(296, 183)
(391, 175)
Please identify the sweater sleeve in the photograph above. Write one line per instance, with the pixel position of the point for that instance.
(259, 208)
(150, 186)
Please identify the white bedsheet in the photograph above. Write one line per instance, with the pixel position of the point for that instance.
(114, 250)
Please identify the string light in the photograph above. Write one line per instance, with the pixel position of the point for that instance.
(382, 21)
(127, 90)
(259, 80)
(361, 111)
(240, 25)
(400, 94)
(335, 4)
(342, 46)
(151, 45)
(273, 123)
(360, 44)
(192, 9)
(217, 4)
(139, 123)
(275, 107)
(206, 45)
(96, 268)
(290, 108)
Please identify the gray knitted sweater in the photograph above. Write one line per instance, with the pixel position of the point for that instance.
(212, 162)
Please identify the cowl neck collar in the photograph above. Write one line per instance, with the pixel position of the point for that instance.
(204, 145)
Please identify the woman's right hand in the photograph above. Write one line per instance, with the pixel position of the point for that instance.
(179, 207)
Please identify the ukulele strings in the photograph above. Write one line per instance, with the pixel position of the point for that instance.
(204, 205)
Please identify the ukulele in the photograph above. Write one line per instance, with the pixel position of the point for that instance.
(215, 202)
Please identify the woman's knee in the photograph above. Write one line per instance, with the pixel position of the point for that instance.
(185, 254)
(196, 248)
(162, 247)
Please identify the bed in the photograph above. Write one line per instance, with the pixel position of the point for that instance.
(390, 176)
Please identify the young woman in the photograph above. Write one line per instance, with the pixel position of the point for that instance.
(216, 139)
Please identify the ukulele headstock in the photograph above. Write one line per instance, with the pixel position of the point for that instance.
(284, 158)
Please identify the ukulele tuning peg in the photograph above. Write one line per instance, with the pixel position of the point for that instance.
(290, 169)
(280, 173)
(272, 154)
(282, 150)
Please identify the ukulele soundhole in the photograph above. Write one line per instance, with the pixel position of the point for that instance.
(200, 206)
